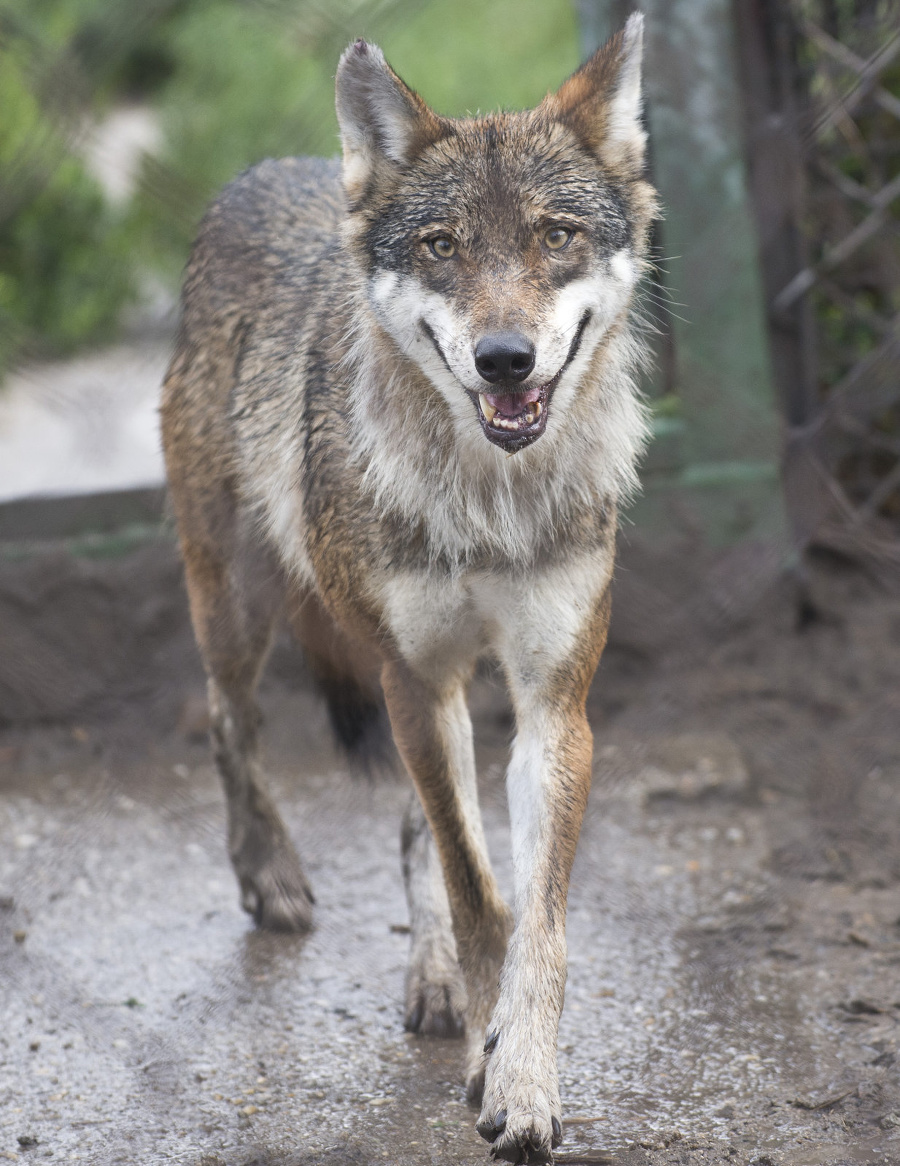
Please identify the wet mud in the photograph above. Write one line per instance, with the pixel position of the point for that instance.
(734, 924)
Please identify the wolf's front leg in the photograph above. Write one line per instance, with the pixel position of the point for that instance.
(548, 783)
(433, 733)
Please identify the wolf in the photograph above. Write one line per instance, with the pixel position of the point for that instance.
(402, 409)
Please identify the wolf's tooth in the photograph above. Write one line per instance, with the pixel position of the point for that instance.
(486, 408)
(538, 409)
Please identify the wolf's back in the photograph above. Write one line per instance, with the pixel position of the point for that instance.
(265, 274)
(265, 257)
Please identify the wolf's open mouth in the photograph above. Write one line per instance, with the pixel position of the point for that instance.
(514, 420)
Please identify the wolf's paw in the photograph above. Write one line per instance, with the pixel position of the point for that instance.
(520, 1113)
(435, 992)
(435, 1009)
(525, 1145)
(277, 894)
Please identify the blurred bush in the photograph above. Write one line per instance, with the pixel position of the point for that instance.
(232, 81)
(65, 267)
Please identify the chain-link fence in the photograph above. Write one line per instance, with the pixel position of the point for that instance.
(821, 80)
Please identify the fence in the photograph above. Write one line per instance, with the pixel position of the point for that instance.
(820, 82)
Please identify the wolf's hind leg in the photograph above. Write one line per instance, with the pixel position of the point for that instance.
(435, 991)
(235, 599)
(274, 889)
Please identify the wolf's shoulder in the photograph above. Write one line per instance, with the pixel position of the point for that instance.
(267, 232)
(285, 183)
(284, 203)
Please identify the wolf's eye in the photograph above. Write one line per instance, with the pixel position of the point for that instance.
(557, 237)
(443, 246)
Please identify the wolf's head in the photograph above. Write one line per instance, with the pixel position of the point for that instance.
(499, 252)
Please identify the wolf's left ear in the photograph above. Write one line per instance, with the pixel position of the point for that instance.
(602, 101)
(381, 119)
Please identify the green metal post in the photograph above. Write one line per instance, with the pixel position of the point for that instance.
(717, 461)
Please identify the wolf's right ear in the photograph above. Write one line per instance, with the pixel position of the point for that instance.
(602, 101)
(380, 117)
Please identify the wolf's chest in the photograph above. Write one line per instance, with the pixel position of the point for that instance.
(529, 619)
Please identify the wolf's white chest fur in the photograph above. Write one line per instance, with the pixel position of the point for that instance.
(530, 622)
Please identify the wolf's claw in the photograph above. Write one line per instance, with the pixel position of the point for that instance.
(490, 1130)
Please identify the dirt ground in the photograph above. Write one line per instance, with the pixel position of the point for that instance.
(734, 929)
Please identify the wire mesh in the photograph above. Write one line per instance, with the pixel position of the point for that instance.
(846, 58)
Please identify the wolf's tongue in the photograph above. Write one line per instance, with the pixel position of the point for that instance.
(512, 404)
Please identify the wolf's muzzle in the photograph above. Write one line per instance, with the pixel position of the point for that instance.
(514, 419)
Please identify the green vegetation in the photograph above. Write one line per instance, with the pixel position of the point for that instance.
(65, 270)
(234, 81)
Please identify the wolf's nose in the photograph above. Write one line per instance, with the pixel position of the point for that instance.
(504, 356)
